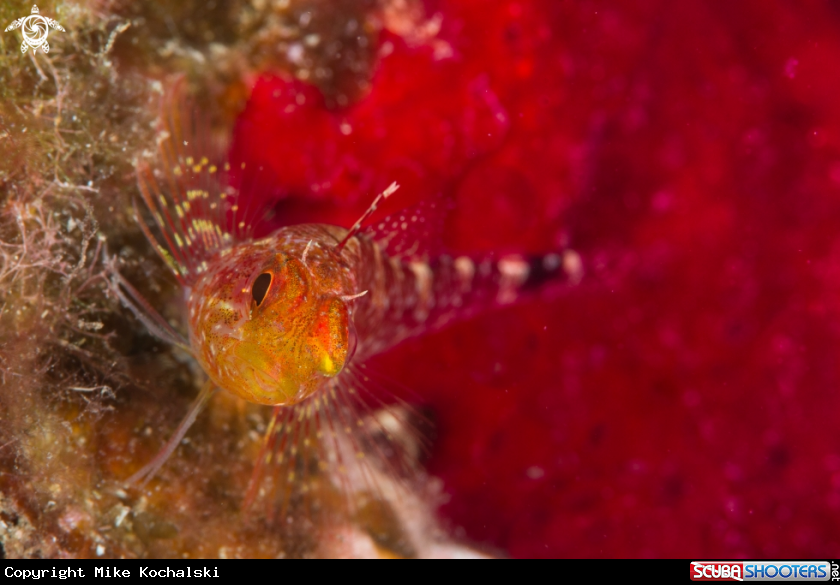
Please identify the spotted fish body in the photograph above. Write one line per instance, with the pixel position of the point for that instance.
(283, 320)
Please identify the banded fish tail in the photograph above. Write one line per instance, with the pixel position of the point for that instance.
(405, 297)
(543, 271)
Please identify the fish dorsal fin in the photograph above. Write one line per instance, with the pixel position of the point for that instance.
(414, 233)
(189, 191)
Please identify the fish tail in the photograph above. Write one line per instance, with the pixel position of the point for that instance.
(463, 286)
(516, 275)
(407, 297)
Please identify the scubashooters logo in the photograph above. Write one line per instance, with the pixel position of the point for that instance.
(762, 571)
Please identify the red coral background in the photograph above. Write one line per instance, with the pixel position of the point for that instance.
(683, 400)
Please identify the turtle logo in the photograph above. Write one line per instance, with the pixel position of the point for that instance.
(35, 30)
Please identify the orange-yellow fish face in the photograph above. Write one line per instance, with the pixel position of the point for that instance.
(270, 331)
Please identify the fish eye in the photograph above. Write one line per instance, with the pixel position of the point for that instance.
(260, 287)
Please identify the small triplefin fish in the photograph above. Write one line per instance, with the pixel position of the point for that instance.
(288, 320)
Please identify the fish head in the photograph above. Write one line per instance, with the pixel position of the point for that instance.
(271, 326)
